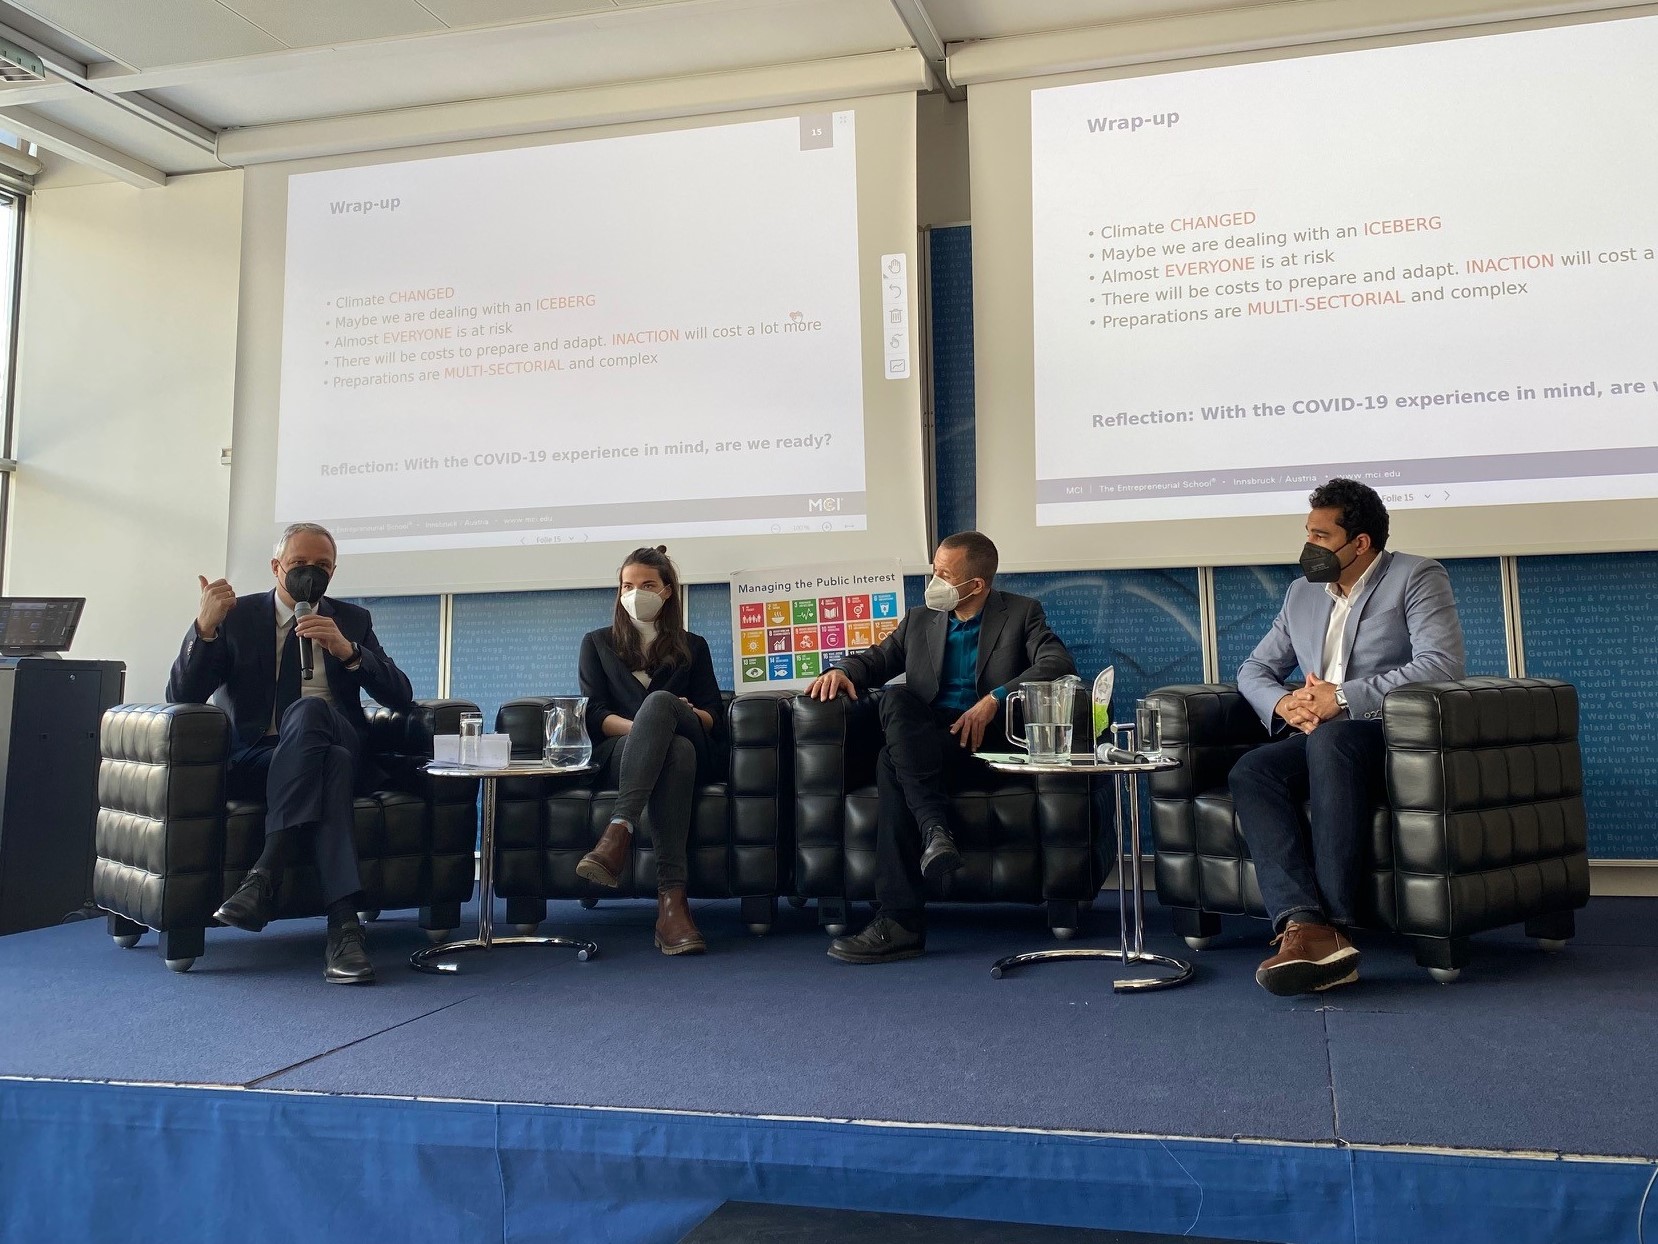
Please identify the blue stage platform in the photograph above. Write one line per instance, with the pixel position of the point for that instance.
(535, 1098)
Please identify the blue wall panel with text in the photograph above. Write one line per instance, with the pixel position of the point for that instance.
(1478, 584)
(955, 453)
(1247, 598)
(509, 644)
(407, 628)
(1589, 620)
(710, 617)
(1144, 622)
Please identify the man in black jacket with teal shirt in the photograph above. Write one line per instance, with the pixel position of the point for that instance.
(961, 654)
(297, 742)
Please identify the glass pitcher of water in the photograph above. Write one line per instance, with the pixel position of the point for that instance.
(1046, 734)
(568, 746)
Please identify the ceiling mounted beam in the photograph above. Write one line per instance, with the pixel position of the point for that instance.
(53, 91)
(916, 19)
(769, 86)
(19, 162)
(81, 149)
(80, 77)
(160, 116)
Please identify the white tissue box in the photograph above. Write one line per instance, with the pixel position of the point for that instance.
(494, 750)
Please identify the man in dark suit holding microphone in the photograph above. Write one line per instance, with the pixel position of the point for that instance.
(293, 664)
(961, 655)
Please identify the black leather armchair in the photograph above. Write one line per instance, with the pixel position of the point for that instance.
(1022, 839)
(1483, 826)
(171, 848)
(738, 843)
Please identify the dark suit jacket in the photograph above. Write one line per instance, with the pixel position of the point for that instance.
(241, 661)
(610, 687)
(1015, 646)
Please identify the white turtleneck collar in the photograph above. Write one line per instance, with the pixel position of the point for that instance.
(647, 637)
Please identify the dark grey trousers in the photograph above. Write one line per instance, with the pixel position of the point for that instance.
(308, 781)
(655, 771)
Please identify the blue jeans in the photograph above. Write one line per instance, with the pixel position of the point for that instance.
(1310, 864)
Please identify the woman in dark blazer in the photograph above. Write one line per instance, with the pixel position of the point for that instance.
(654, 706)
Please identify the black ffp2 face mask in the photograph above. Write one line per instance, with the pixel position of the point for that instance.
(306, 583)
(1322, 565)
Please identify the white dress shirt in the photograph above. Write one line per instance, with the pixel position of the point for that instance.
(317, 684)
(1335, 655)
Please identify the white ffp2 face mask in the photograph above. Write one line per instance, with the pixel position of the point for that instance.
(642, 606)
(942, 596)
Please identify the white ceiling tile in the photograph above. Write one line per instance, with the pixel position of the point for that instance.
(958, 21)
(464, 13)
(31, 26)
(156, 32)
(321, 23)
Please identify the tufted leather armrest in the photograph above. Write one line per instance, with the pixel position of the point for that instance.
(1206, 727)
(752, 724)
(756, 724)
(400, 740)
(1486, 781)
(160, 825)
(835, 745)
(408, 732)
(524, 720)
(1480, 712)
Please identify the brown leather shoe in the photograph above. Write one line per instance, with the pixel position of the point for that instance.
(603, 865)
(1310, 958)
(676, 934)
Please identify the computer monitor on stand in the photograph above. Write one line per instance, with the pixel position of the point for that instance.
(38, 626)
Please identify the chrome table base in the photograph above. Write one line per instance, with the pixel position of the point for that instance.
(1132, 948)
(1134, 984)
(428, 959)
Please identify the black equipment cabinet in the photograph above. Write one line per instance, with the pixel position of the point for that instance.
(50, 712)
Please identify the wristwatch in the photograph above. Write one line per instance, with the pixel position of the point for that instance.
(1341, 699)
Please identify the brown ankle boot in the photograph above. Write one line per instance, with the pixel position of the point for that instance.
(676, 934)
(603, 865)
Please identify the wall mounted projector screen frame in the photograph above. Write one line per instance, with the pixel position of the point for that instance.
(352, 394)
(1400, 135)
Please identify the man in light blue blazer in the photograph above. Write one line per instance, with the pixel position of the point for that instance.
(1360, 622)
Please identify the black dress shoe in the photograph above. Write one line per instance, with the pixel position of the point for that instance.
(253, 906)
(883, 941)
(346, 962)
(940, 855)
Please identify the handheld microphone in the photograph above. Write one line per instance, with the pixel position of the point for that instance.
(303, 609)
(1118, 756)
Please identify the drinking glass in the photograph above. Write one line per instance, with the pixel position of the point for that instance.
(471, 732)
(1148, 730)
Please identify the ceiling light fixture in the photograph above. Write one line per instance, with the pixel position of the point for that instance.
(19, 65)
